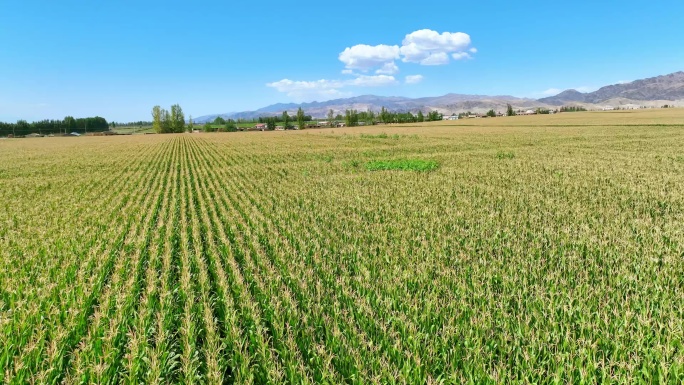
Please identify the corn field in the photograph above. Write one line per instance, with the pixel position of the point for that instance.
(529, 255)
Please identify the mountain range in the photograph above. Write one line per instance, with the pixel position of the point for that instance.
(651, 92)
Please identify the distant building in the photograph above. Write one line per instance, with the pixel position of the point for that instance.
(261, 126)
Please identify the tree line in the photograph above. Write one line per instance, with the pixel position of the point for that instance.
(164, 122)
(139, 123)
(572, 109)
(219, 125)
(51, 126)
(285, 117)
(354, 118)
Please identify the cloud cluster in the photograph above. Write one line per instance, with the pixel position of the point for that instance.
(425, 47)
(429, 47)
(364, 57)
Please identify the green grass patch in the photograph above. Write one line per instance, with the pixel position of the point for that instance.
(402, 165)
(505, 155)
(377, 136)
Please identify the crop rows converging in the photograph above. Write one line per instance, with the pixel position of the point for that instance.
(213, 259)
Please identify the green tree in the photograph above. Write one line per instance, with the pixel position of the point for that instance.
(434, 116)
(286, 119)
(177, 119)
(230, 126)
(491, 113)
(156, 119)
(191, 126)
(420, 116)
(331, 116)
(69, 123)
(300, 118)
(207, 127)
(270, 124)
(370, 117)
(166, 124)
(385, 115)
(219, 121)
(351, 118)
(509, 110)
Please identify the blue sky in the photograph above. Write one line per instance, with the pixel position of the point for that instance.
(117, 59)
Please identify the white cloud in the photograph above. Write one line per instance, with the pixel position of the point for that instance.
(424, 46)
(461, 55)
(327, 89)
(585, 89)
(414, 79)
(429, 47)
(365, 57)
(372, 81)
(624, 81)
(388, 69)
(308, 90)
(436, 59)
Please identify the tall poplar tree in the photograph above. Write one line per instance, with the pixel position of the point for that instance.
(331, 116)
(157, 119)
(177, 119)
(166, 126)
(300, 118)
(286, 119)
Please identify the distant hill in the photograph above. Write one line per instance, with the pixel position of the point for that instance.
(651, 92)
(666, 87)
(565, 97)
(446, 104)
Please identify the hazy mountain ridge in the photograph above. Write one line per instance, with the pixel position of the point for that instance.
(449, 103)
(648, 92)
(665, 87)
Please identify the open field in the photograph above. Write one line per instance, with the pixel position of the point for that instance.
(544, 249)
